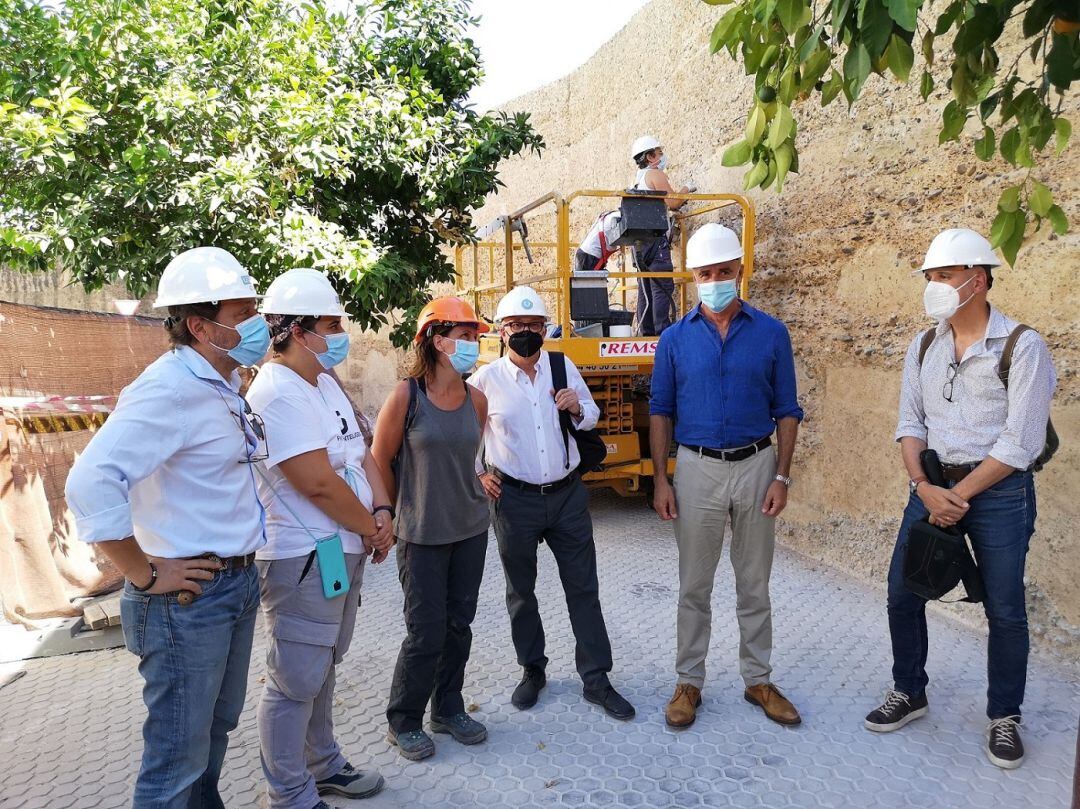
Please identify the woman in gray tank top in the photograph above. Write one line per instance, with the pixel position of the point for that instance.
(430, 428)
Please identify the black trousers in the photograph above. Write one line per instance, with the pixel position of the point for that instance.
(441, 584)
(522, 520)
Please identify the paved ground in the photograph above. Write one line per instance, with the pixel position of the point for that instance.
(69, 729)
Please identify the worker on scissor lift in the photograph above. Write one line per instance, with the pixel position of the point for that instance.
(655, 302)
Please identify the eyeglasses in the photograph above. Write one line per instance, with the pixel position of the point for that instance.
(246, 420)
(517, 328)
(950, 379)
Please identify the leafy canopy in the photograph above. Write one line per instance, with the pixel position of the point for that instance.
(796, 49)
(286, 133)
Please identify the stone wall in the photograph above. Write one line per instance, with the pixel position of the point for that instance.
(833, 258)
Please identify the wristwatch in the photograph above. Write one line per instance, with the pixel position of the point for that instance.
(913, 485)
(388, 509)
(784, 480)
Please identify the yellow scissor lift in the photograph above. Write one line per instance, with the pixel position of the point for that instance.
(616, 369)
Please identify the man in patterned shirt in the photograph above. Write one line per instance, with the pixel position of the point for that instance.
(988, 436)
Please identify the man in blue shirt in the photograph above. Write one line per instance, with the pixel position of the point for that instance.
(725, 378)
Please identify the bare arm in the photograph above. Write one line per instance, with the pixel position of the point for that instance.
(389, 433)
(946, 507)
(659, 447)
(658, 181)
(776, 495)
(310, 474)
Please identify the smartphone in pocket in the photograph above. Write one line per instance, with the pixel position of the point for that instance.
(332, 569)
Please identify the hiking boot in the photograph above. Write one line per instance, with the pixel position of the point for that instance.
(461, 726)
(775, 705)
(351, 783)
(1003, 745)
(896, 711)
(528, 690)
(610, 700)
(682, 709)
(413, 744)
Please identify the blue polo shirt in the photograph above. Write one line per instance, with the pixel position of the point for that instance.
(724, 394)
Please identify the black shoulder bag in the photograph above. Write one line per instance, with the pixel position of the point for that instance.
(591, 446)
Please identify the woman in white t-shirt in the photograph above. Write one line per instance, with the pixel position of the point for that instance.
(318, 482)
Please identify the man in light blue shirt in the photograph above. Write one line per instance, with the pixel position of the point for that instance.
(166, 491)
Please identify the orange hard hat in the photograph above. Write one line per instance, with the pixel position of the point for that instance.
(446, 311)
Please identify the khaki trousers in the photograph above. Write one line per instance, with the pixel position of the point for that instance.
(708, 492)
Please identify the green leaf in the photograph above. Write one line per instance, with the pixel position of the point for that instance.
(875, 29)
(1009, 201)
(1011, 246)
(926, 85)
(1038, 16)
(856, 69)
(783, 157)
(781, 127)
(1040, 199)
(904, 12)
(984, 146)
(948, 17)
(984, 27)
(1062, 132)
(737, 154)
(1010, 142)
(901, 58)
(719, 2)
(1002, 228)
(831, 89)
(952, 118)
(1058, 220)
(928, 47)
(790, 13)
(725, 29)
(41, 103)
(755, 125)
(756, 175)
(1063, 61)
(840, 10)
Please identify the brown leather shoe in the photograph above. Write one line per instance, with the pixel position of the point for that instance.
(776, 705)
(682, 710)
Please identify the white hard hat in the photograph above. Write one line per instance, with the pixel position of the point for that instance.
(203, 275)
(712, 244)
(302, 291)
(958, 246)
(645, 143)
(521, 301)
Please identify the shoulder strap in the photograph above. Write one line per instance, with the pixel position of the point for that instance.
(927, 340)
(1005, 363)
(414, 402)
(558, 381)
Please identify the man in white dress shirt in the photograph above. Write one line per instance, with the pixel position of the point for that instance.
(988, 426)
(538, 496)
(166, 491)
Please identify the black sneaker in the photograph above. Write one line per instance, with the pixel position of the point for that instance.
(461, 726)
(896, 711)
(1003, 744)
(528, 690)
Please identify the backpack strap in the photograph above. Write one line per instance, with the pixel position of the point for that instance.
(558, 381)
(414, 402)
(1005, 363)
(926, 342)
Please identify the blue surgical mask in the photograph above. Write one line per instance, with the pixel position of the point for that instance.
(254, 340)
(465, 355)
(661, 163)
(717, 294)
(337, 348)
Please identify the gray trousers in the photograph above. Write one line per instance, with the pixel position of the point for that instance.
(708, 493)
(308, 635)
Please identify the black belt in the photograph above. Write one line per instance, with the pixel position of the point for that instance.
(955, 472)
(539, 488)
(738, 454)
(230, 563)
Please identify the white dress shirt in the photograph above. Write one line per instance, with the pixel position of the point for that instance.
(166, 465)
(523, 437)
(982, 420)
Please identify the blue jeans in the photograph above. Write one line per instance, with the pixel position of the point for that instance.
(999, 523)
(194, 664)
